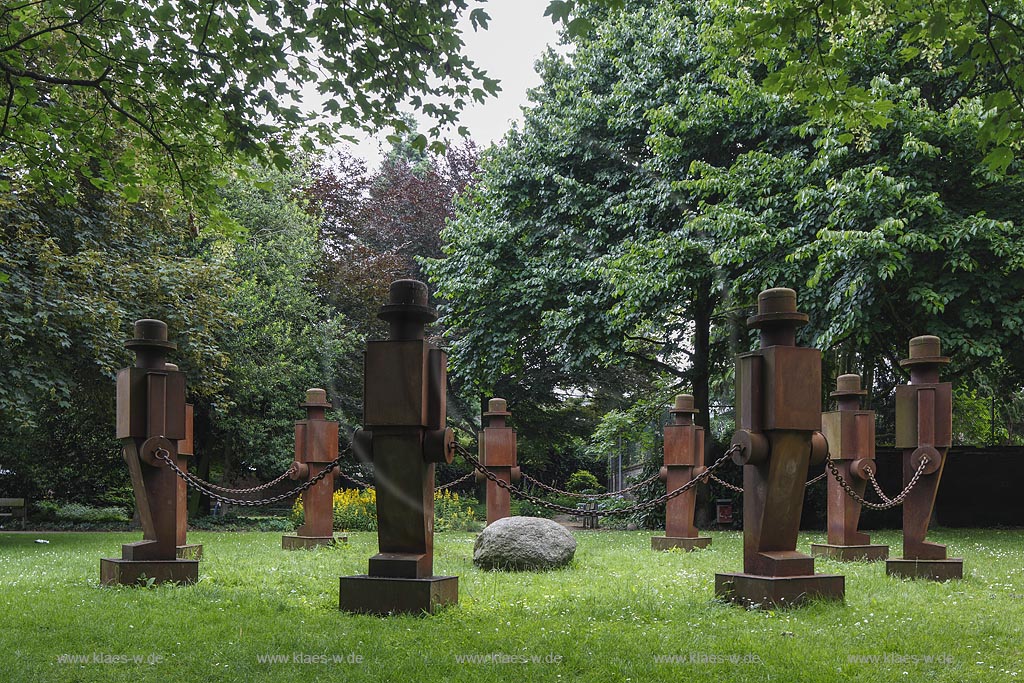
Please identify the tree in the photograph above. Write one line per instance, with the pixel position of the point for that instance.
(286, 338)
(657, 186)
(156, 93)
(548, 271)
(75, 278)
(976, 46)
(376, 226)
(801, 50)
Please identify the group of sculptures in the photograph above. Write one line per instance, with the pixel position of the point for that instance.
(780, 434)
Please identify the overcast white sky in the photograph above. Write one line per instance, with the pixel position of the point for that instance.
(517, 36)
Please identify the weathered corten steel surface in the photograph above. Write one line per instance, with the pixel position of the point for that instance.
(186, 450)
(498, 454)
(316, 447)
(778, 420)
(684, 460)
(850, 433)
(404, 434)
(151, 415)
(924, 428)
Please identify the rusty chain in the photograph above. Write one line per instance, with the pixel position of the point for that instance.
(516, 491)
(816, 479)
(254, 489)
(590, 496)
(878, 489)
(890, 502)
(739, 489)
(355, 480)
(200, 485)
(731, 487)
(368, 486)
(456, 482)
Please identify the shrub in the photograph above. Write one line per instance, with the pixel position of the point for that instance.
(79, 512)
(582, 481)
(526, 508)
(356, 510)
(452, 513)
(233, 522)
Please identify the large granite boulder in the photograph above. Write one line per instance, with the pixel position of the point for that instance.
(523, 543)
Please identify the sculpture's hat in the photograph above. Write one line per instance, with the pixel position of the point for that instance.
(777, 305)
(150, 334)
(848, 385)
(925, 350)
(683, 405)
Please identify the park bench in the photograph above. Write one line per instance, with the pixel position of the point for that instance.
(13, 507)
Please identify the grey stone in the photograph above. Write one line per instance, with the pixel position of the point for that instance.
(524, 543)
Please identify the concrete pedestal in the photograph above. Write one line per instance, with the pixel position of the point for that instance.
(778, 591)
(851, 553)
(687, 544)
(933, 570)
(382, 595)
(116, 571)
(308, 542)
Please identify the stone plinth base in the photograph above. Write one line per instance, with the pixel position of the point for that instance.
(669, 542)
(851, 553)
(115, 571)
(778, 591)
(933, 570)
(382, 595)
(190, 551)
(307, 542)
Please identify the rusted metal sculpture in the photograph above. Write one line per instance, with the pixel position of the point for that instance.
(924, 429)
(316, 447)
(186, 450)
(498, 454)
(151, 418)
(778, 419)
(404, 435)
(684, 460)
(850, 433)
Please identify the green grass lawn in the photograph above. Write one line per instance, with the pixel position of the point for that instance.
(610, 616)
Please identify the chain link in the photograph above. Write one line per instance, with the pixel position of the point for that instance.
(739, 489)
(590, 496)
(878, 489)
(731, 487)
(254, 489)
(889, 502)
(816, 479)
(355, 480)
(458, 481)
(200, 485)
(516, 491)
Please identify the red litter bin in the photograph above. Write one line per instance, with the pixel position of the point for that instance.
(723, 511)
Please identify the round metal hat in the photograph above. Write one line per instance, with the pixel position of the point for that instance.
(407, 300)
(315, 398)
(848, 385)
(497, 406)
(926, 349)
(683, 404)
(150, 334)
(777, 305)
